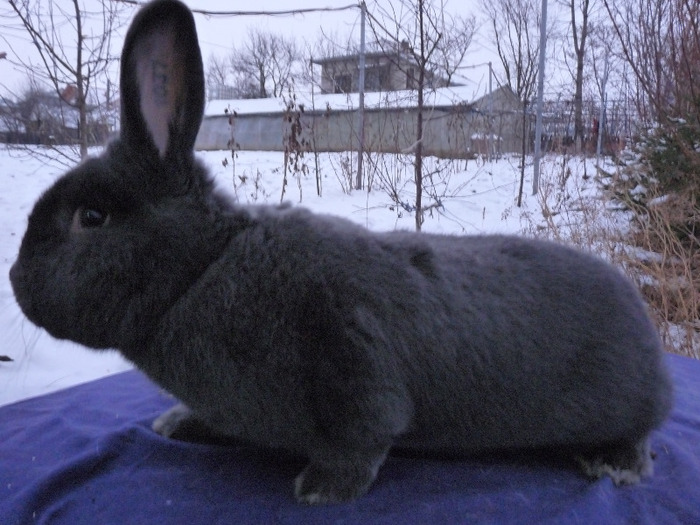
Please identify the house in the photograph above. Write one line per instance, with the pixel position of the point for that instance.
(384, 71)
(45, 117)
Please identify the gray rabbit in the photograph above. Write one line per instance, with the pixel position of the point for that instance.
(306, 332)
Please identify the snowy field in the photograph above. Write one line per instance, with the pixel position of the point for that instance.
(475, 197)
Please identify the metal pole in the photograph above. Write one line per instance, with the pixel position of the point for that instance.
(489, 128)
(361, 108)
(540, 97)
(603, 101)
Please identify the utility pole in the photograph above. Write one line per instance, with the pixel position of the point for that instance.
(603, 101)
(361, 108)
(489, 128)
(540, 97)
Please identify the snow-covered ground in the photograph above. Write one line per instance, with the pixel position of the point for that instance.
(476, 197)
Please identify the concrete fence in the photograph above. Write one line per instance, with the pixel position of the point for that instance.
(454, 131)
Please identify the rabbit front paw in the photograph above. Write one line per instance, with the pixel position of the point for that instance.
(337, 482)
(180, 423)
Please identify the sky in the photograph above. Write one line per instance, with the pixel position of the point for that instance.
(218, 33)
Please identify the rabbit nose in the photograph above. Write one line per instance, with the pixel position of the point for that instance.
(14, 272)
(17, 279)
(16, 282)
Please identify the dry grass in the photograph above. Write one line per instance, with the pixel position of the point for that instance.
(667, 266)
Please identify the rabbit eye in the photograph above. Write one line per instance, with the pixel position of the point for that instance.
(87, 218)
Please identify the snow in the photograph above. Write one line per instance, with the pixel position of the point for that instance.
(446, 96)
(475, 197)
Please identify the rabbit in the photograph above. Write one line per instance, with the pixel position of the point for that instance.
(306, 332)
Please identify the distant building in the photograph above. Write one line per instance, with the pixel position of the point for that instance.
(455, 125)
(45, 117)
(384, 71)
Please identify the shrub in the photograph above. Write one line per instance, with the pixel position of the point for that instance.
(672, 155)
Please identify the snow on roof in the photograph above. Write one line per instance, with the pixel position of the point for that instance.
(447, 96)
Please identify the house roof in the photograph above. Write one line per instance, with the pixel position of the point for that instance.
(356, 57)
(442, 97)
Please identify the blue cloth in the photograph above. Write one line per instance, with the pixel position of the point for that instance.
(87, 455)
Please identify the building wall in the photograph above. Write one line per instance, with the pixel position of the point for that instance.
(460, 131)
(392, 77)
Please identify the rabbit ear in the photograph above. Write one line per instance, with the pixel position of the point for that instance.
(162, 79)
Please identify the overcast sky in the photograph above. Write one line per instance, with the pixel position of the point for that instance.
(218, 33)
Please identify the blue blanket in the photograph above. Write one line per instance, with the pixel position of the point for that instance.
(87, 455)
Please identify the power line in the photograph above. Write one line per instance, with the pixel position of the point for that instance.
(256, 13)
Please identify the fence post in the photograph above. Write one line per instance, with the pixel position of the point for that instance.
(361, 109)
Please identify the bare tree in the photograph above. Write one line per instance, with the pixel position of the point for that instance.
(264, 66)
(515, 30)
(579, 26)
(218, 76)
(424, 40)
(660, 41)
(515, 27)
(73, 44)
(602, 49)
(331, 43)
(457, 35)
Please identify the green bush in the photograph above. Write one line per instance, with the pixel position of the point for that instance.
(672, 154)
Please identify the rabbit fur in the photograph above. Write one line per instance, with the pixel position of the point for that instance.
(307, 332)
